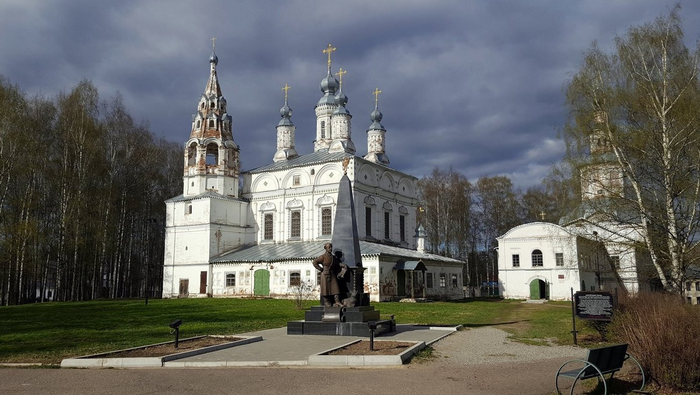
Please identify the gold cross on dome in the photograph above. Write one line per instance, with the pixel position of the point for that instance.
(376, 95)
(213, 43)
(340, 75)
(543, 215)
(286, 89)
(329, 50)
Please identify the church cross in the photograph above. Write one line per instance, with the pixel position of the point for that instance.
(213, 43)
(376, 96)
(286, 89)
(340, 75)
(329, 50)
(542, 214)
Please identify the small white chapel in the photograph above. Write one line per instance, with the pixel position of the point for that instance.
(255, 233)
(597, 247)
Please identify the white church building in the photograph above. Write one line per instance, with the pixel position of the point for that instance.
(590, 249)
(259, 238)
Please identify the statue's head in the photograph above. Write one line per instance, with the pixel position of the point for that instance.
(328, 247)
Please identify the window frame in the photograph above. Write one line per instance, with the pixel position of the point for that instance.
(429, 280)
(515, 260)
(537, 258)
(387, 225)
(297, 275)
(268, 232)
(326, 228)
(559, 259)
(228, 277)
(443, 280)
(295, 224)
(368, 221)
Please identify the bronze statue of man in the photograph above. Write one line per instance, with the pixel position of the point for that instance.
(329, 267)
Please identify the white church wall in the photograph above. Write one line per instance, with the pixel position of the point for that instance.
(559, 273)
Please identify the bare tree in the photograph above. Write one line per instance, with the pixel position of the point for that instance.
(643, 102)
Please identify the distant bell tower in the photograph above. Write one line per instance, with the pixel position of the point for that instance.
(601, 176)
(376, 147)
(211, 156)
(326, 106)
(285, 132)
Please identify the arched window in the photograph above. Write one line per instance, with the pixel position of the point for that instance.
(211, 123)
(192, 154)
(323, 129)
(212, 154)
(537, 258)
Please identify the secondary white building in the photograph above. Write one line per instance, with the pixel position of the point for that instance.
(259, 239)
(588, 251)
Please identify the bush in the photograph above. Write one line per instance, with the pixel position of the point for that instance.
(662, 332)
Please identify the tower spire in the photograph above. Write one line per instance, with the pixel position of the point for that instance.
(211, 155)
(285, 131)
(326, 105)
(376, 135)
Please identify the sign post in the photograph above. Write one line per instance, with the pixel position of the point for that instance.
(573, 316)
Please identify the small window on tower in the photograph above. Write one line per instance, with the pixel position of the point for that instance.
(189, 209)
(198, 124)
(323, 129)
(211, 123)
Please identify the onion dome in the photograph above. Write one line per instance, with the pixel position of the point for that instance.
(329, 85)
(376, 115)
(341, 100)
(286, 114)
(213, 58)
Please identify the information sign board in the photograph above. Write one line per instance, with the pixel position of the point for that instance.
(594, 306)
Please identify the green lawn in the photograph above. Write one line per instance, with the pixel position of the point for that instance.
(50, 332)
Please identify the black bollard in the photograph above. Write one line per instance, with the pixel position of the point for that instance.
(176, 326)
(372, 328)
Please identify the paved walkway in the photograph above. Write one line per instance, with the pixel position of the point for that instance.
(278, 348)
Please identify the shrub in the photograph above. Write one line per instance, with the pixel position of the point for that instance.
(662, 332)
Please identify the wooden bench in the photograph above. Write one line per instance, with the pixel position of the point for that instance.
(598, 363)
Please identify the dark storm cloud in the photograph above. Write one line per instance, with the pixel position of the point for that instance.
(473, 85)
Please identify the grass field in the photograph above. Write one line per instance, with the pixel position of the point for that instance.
(49, 332)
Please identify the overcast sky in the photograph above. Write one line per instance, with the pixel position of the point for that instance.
(476, 85)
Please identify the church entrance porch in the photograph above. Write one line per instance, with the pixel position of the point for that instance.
(539, 289)
(261, 285)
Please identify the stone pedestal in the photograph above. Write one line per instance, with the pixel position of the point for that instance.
(340, 321)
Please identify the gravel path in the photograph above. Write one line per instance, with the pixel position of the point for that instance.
(490, 345)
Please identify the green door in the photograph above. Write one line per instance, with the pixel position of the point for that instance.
(400, 283)
(535, 289)
(262, 283)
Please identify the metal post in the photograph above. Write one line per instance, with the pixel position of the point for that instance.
(573, 316)
(177, 336)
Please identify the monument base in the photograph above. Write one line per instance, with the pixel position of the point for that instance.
(341, 321)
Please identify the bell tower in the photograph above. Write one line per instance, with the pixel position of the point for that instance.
(601, 177)
(212, 161)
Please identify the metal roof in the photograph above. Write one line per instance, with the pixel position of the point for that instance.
(207, 194)
(410, 265)
(320, 156)
(309, 250)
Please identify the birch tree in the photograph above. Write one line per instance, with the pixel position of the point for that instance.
(643, 100)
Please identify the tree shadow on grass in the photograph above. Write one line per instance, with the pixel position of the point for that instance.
(493, 324)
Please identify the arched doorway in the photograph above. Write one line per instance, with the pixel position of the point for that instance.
(261, 285)
(539, 289)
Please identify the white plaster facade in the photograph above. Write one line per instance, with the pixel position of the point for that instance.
(594, 252)
(261, 243)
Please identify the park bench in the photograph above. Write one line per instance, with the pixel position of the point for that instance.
(598, 363)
